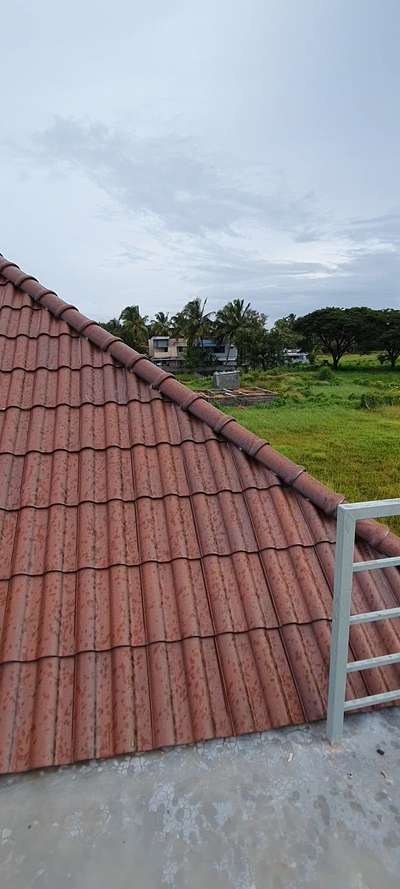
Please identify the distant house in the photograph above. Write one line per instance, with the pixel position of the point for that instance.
(169, 351)
(221, 351)
(294, 356)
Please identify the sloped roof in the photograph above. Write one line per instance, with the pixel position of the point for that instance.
(165, 575)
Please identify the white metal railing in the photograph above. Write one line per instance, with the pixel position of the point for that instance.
(347, 515)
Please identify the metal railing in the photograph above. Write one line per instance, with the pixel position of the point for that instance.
(347, 515)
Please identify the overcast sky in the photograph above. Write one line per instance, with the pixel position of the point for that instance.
(153, 151)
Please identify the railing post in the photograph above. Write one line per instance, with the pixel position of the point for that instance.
(345, 534)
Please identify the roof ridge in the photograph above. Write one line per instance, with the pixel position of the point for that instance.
(377, 535)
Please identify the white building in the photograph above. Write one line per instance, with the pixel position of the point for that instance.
(294, 356)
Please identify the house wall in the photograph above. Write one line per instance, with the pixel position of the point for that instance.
(174, 355)
(174, 347)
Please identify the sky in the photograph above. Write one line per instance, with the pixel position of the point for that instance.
(151, 152)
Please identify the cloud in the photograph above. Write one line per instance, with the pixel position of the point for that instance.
(166, 180)
(222, 231)
(219, 149)
(381, 230)
(218, 263)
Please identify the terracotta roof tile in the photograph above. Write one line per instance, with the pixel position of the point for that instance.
(165, 575)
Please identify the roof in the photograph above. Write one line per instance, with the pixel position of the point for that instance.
(165, 575)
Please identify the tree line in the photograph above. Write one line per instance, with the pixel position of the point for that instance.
(333, 331)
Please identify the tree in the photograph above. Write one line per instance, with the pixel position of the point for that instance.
(337, 331)
(389, 336)
(251, 339)
(198, 358)
(131, 315)
(285, 329)
(134, 328)
(230, 322)
(161, 325)
(113, 326)
(192, 322)
(274, 350)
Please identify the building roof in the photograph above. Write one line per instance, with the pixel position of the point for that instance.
(165, 575)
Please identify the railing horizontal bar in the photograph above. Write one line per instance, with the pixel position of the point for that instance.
(376, 563)
(368, 663)
(383, 698)
(373, 509)
(367, 616)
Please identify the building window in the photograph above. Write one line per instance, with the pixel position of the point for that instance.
(161, 344)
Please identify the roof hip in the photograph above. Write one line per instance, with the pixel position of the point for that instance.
(292, 474)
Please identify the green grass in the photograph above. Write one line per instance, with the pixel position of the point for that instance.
(339, 428)
(355, 452)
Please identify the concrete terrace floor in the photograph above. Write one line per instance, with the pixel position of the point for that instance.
(281, 810)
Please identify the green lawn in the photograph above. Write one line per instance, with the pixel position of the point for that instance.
(341, 429)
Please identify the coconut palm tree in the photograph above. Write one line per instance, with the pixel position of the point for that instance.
(193, 322)
(113, 326)
(131, 315)
(161, 325)
(134, 328)
(233, 318)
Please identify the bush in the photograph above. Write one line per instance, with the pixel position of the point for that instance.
(252, 376)
(325, 374)
(369, 402)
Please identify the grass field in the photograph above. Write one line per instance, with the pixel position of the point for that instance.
(344, 427)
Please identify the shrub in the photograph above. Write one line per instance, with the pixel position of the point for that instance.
(371, 401)
(325, 374)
